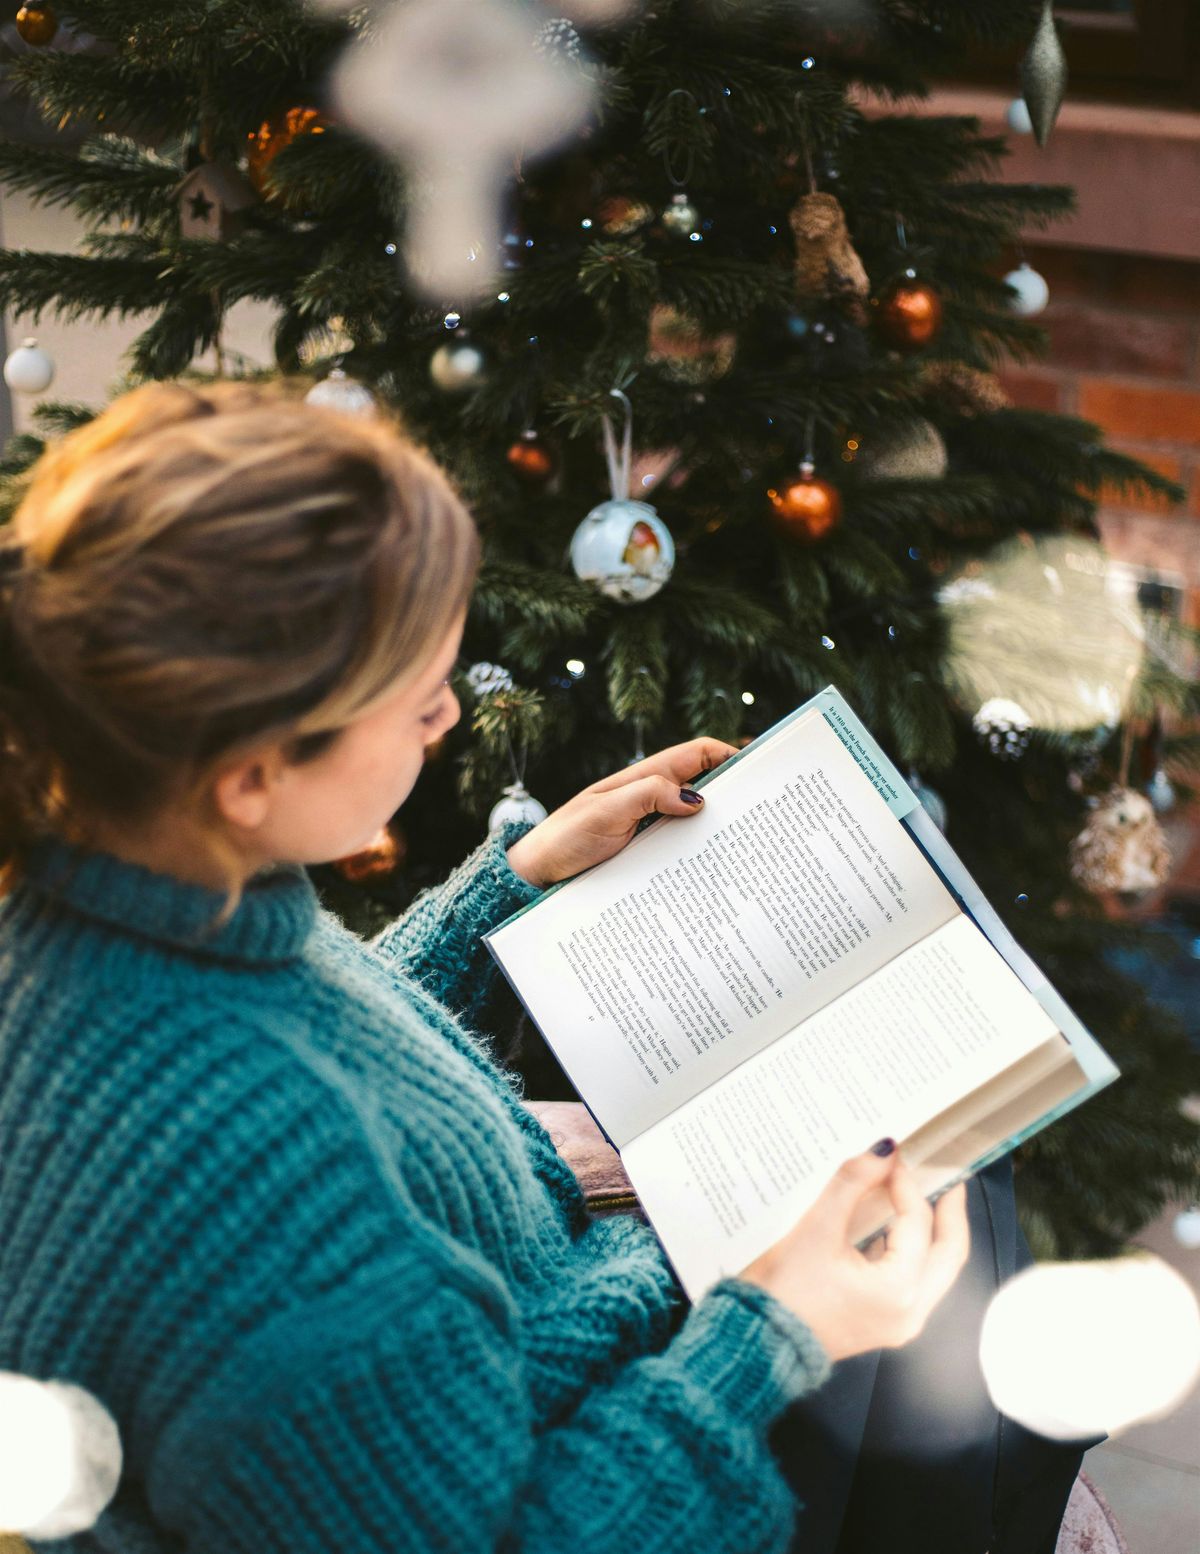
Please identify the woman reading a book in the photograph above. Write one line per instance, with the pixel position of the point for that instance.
(264, 1192)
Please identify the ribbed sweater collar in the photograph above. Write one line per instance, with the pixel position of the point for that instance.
(272, 922)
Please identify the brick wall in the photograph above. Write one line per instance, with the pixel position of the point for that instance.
(1124, 352)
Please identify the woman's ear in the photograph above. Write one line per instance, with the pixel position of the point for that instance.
(245, 791)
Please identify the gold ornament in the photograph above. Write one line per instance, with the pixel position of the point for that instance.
(967, 390)
(265, 143)
(908, 449)
(1044, 75)
(382, 855)
(37, 24)
(806, 507)
(1122, 847)
(826, 263)
(679, 346)
(910, 316)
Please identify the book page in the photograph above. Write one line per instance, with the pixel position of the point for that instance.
(727, 1175)
(709, 937)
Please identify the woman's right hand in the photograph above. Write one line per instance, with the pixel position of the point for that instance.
(854, 1302)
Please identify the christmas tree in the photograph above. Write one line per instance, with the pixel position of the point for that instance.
(790, 292)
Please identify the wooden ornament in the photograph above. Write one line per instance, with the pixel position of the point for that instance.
(826, 263)
(910, 316)
(212, 202)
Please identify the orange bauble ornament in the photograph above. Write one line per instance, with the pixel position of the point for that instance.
(910, 316)
(265, 143)
(384, 854)
(806, 507)
(532, 459)
(37, 24)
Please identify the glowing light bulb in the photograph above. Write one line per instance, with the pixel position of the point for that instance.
(748, 698)
(1075, 1349)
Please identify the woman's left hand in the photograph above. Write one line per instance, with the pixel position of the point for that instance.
(598, 822)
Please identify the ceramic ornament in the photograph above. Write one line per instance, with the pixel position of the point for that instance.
(457, 91)
(1032, 291)
(29, 369)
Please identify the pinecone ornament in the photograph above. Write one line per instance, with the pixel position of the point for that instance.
(826, 263)
(1122, 847)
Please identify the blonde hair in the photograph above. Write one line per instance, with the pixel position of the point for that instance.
(197, 572)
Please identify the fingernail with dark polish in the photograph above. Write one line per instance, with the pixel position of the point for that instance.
(690, 796)
(884, 1147)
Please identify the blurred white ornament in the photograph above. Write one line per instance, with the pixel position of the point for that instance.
(29, 369)
(60, 1457)
(1077, 1349)
(339, 392)
(558, 36)
(1161, 792)
(1032, 290)
(1122, 847)
(1186, 1229)
(1017, 117)
(680, 217)
(1004, 727)
(517, 807)
(456, 366)
(1050, 624)
(625, 549)
(486, 679)
(456, 89)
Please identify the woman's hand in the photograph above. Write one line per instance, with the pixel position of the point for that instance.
(854, 1302)
(598, 822)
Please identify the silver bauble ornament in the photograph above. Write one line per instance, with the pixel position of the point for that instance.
(681, 218)
(1017, 118)
(625, 549)
(457, 366)
(908, 449)
(1044, 75)
(1032, 292)
(517, 807)
(1004, 727)
(29, 369)
(339, 392)
(1161, 792)
(486, 679)
(1122, 847)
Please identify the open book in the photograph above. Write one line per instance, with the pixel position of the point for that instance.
(746, 997)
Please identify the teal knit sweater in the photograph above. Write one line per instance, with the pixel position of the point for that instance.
(264, 1194)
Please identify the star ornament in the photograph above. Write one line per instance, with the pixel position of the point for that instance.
(456, 90)
(202, 206)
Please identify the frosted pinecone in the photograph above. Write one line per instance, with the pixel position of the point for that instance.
(1004, 727)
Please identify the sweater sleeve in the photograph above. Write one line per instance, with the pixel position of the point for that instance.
(439, 940)
(406, 1424)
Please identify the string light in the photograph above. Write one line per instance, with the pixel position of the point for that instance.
(748, 698)
(576, 667)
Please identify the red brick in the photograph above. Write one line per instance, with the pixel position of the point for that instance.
(1194, 498)
(1103, 340)
(1146, 502)
(1031, 389)
(1141, 412)
(1137, 281)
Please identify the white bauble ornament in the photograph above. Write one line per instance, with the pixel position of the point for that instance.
(517, 807)
(1032, 291)
(1004, 727)
(1017, 117)
(486, 679)
(1122, 847)
(29, 369)
(60, 1457)
(1186, 1229)
(1161, 792)
(456, 366)
(338, 392)
(625, 549)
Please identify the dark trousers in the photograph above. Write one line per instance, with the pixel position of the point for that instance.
(902, 1452)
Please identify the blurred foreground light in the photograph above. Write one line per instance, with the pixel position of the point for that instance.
(60, 1458)
(1075, 1349)
(1047, 623)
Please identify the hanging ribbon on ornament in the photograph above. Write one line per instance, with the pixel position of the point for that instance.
(622, 546)
(681, 218)
(517, 806)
